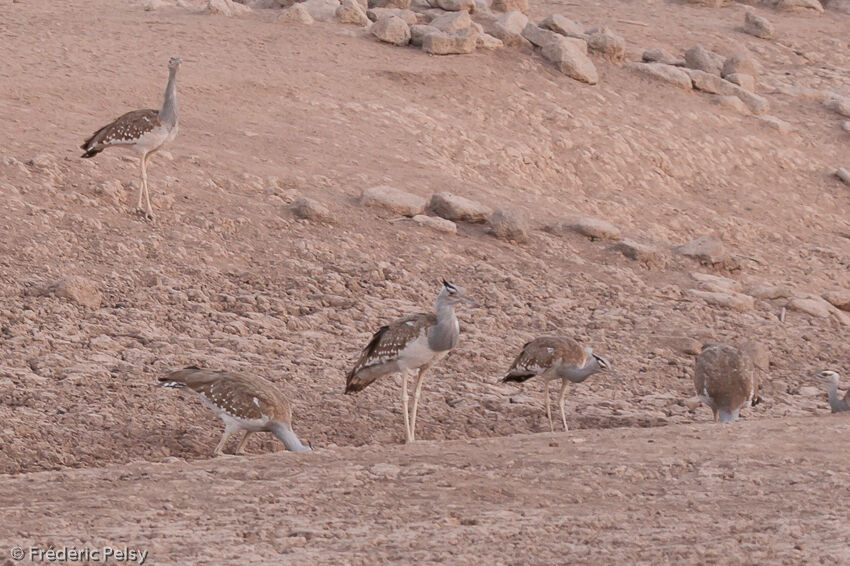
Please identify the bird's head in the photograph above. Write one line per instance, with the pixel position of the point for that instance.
(452, 294)
(828, 376)
(174, 63)
(604, 365)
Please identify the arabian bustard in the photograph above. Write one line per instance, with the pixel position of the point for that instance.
(725, 380)
(145, 131)
(244, 402)
(417, 341)
(830, 378)
(551, 358)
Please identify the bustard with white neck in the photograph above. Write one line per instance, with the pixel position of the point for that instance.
(552, 357)
(414, 342)
(725, 380)
(243, 402)
(144, 131)
(831, 379)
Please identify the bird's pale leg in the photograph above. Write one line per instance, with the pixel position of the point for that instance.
(148, 207)
(404, 402)
(548, 410)
(143, 182)
(241, 445)
(224, 437)
(561, 402)
(416, 392)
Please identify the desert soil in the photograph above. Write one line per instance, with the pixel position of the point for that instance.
(228, 277)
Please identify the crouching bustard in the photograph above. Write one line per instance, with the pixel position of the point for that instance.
(417, 341)
(830, 378)
(725, 380)
(243, 402)
(556, 358)
(144, 131)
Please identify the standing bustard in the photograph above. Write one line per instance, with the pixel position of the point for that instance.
(725, 380)
(145, 131)
(417, 341)
(552, 357)
(830, 379)
(243, 402)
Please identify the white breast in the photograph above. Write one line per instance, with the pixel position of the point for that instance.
(417, 353)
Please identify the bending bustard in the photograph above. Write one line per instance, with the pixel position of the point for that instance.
(417, 341)
(725, 380)
(248, 403)
(556, 358)
(145, 131)
(830, 379)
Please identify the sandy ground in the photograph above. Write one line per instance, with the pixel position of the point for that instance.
(227, 277)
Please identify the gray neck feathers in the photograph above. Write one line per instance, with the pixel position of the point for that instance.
(444, 335)
(284, 433)
(577, 375)
(835, 402)
(168, 113)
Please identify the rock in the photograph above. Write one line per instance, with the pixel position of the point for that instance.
(452, 21)
(838, 104)
(663, 72)
(508, 28)
(846, 126)
(758, 353)
(742, 63)
(394, 199)
(509, 6)
(799, 5)
(735, 301)
(507, 225)
(747, 82)
(296, 14)
(570, 57)
(458, 208)
(226, 8)
(716, 283)
(768, 292)
(391, 30)
(708, 250)
(810, 391)
(487, 41)
(838, 299)
(595, 228)
(699, 58)
(350, 12)
(400, 4)
(538, 36)
(775, 123)
(321, 10)
(840, 6)
(608, 44)
(662, 56)
(844, 175)
(758, 26)
(812, 305)
(708, 82)
(450, 43)
(755, 103)
(637, 251)
(418, 33)
(456, 5)
(309, 209)
(153, 5)
(564, 26)
(733, 103)
(681, 344)
(438, 224)
(409, 16)
(77, 290)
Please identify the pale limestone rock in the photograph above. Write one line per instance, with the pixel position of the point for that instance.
(595, 228)
(800, 5)
(838, 104)
(226, 8)
(321, 10)
(743, 63)
(734, 301)
(758, 26)
(662, 56)
(663, 72)
(812, 305)
(509, 6)
(458, 208)
(637, 251)
(697, 57)
(350, 12)
(296, 14)
(456, 5)
(839, 299)
(392, 30)
(570, 57)
(775, 123)
(564, 26)
(487, 41)
(606, 43)
(309, 209)
(708, 250)
(844, 175)
(77, 290)
(435, 223)
(418, 33)
(394, 199)
(747, 82)
(450, 43)
(508, 225)
(452, 21)
(409, 16)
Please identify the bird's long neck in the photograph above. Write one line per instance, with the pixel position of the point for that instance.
(835, 402)
(577, 375)
(168, 113)
(445, 333)
(284, 433)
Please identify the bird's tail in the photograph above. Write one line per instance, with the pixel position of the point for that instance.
(90, 152)
(177, 378)
(517, 376)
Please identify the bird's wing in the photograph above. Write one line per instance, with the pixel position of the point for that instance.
(541, 354)
(391, 339)
(123, 131)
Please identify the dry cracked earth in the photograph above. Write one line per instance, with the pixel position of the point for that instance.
(234, 273)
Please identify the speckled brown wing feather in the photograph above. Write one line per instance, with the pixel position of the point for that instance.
(385, 345)
(726, 376)
(123, 131)
(541, 353)
(247, 397)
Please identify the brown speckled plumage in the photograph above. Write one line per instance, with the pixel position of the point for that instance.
(725, 379)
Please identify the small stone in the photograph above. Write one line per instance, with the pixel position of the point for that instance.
(775, 123)
(452, 21)
(681, 344)
(637, 251)
(708, 250)
(838, 299)
(226, 8)
(418, 33)
(400, 4)
(838, 104)
(309, 209)
(458, 208)
(812, 305)
(846, 126)
(768, 292)
(595, 228)
(509, 6)
(409, 16)
(153, 5)
(507, 225)
(758, 26)
(296, 14)
(321, 10)
(742, 63)
(350, 12)
(697, 57)
(608, 44)
(394, 199)
(734, 301)
(662, 56)
(508, 27)
(438, 224)
(844, 175)
(733, 103)
(78, 290)
(456, 5)
(564, 26)
(570, 57)
(810, 391)
(538, 36)
(453, 43)
(487, 41)
(799, 5)
(744, 81)
(663, 72)
(392, 30)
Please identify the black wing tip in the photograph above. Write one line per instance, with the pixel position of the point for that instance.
(90, 152)
(517, 377)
